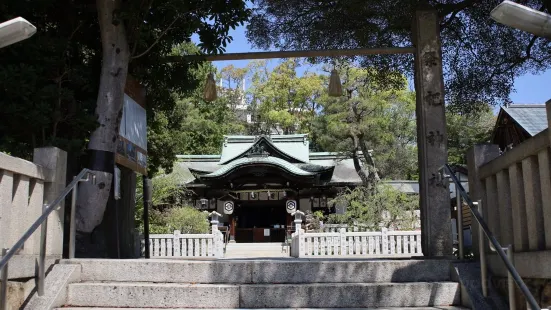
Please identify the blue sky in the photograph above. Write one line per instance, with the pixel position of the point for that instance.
(529, 88)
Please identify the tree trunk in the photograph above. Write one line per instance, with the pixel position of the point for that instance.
(372, 170)
(93, 199)
(357, 164)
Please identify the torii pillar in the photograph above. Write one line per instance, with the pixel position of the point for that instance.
(431, 134)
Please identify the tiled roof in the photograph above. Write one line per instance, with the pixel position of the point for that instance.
(531, 117)
(259, 160)
(296, 146)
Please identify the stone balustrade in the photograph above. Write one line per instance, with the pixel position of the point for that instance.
(24, 188)
(366, 244)
(186, 245)
(515, 189)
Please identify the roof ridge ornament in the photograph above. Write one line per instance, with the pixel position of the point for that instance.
(258, 151)
(267, 137)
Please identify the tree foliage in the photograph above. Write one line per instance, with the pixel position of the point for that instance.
(466, 130)
(481, 57)
(372, 124)
(187, 220)
(385, 207)
(49, 82)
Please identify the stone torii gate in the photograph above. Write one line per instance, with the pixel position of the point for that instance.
(430, 113)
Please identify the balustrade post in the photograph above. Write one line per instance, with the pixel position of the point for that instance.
(477, 156)
(176, 243)
(4, 284)
(56, 160)
(342, 238)
(482, 252)
(384, 236)
(298, 223)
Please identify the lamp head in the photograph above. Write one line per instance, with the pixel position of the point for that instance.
(15, 30)
(523, 18)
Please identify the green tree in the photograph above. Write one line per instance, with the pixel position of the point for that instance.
(369, 121)
(281, 101)
(143, 33)
(189, 125)
(49, 82)
(466, 130)
(187, 220)
(384, 207)
(481, 57)
(64, 86)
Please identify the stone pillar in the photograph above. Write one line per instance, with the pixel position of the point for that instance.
(214, 222)
(477, 156)
(548, 110)
(56, 160)
(436, 232)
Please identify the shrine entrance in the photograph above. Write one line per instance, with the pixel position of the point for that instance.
(286, 169)
(261, 221)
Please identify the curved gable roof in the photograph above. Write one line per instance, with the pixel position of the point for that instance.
(236, 147)
(274, 161)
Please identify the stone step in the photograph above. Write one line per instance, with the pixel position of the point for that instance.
(386, 308)
(331, 295)
(260, 271)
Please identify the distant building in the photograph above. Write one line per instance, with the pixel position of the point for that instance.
(259, 174)
(518, 122)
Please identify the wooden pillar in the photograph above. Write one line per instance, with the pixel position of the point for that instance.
(232, 227)
(431, 134)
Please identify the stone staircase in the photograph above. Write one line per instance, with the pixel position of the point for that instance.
(258, 283)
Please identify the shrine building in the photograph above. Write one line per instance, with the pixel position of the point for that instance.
(257, 178)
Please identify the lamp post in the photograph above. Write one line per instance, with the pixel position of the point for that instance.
(523, 18)
(15, 30)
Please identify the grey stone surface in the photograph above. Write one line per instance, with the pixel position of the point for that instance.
(56, 161)
(350, 271)
(18, 291)
(255, 250)
(164, 270)
(534, 265)
(544, 163)
(24, 266)
(333, 295)
(162, 295)
(534, 205)
(491, 207)
(56, 285)
(386, 308)
(469, 276)
(505, 208)
(518, 209)
(264, 271)
(477, 156)
(431, 134)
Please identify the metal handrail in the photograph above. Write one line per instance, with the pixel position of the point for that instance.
(496, 245)
(41, 221)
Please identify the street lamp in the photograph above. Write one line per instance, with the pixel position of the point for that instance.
(523, 18)
(15, 30)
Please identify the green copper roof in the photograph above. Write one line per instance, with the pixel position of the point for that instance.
(269, 160)
(295, 146)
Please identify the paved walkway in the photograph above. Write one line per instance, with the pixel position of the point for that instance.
(256, 250)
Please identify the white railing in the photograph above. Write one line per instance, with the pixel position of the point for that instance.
(343, 244)
(186, 245)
